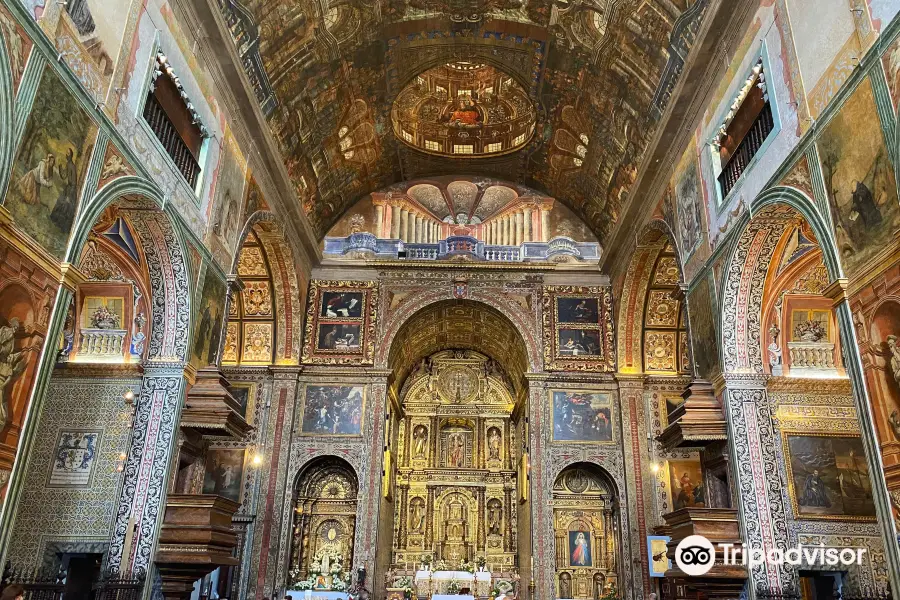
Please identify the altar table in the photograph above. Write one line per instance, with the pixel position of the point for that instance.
(435, 583)
(315, 595)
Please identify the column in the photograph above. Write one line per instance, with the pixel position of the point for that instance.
(520, 228)
(379, 220)
(529, 228)
(545, 224)
(395, 222)
(147, 467)
(507, 230)
(411, 228)
(404, 223)
(495, 232)
(417, 228)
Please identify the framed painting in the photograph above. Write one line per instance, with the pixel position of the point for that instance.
(338, 304)
(245, 394)
(224, 472)
(340, 323)
(333, 409)
(578, 328)
(582, 416)
(580, 549)
(828, 477)
(686, 480)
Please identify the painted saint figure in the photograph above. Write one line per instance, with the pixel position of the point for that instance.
(457, 450)
(12, 364)
(64, 210)
(581, 552)
(814, 491)
(420, 435)
(31, 182)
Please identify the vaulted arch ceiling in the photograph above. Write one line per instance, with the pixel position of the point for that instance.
(597, 75)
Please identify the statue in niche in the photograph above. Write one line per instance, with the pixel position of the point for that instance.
(456, 452)
(495, 517)
(494, 444)
(416, 515)
(420, 441)
(775, 350)
(599, 584)
(565, 585)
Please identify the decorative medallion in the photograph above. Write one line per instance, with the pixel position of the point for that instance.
(659, 350)
(251, 262)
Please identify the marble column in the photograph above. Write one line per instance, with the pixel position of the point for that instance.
(545, 225)
(529, 229)
(404, 222)
(379, 220)
(506, 228)
(520, 228)
(417, 229)
(395, 222)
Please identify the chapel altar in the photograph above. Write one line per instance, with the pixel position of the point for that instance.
(456, 500)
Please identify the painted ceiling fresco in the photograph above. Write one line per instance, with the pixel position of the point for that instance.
(597, 74)
(463, 108)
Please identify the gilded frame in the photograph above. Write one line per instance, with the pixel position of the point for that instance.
(554, 360)
(362, 418)
(612, 415)
(792, 491)
(365, 355)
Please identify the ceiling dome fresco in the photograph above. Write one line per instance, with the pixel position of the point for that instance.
(464, 109)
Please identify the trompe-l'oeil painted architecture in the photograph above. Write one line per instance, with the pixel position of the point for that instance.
(430, 300)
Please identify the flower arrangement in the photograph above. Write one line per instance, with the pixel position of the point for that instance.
(453, 587)
(466, 566)
(326, 572)
(609, 592)
(440, 566)
(481, 562)
(426, 560)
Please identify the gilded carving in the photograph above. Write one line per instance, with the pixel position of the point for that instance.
(659, 351)
(257, 299)
(578, 328)
(340, 322)
(257, 343)
(662, 309)
(251, 262)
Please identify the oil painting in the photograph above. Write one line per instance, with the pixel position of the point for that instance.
(224, 473)
(210, 319)
(333, 409)
(339, 337)
(580, 549)
(580, 342)
(342, 304)
(582, 416)
(229, 194)
(828, 477)
(688, 200)
(577, 310)
(859, 180)
(50, 165)
(18, 45)
(244, 394)
(891, 60)
(686, 480)
(703, 328)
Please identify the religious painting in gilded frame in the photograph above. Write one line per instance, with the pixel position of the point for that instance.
(340, 323)
(333, 409)
(245, 394)
(828, 477)
(578, 329)
(582, 416)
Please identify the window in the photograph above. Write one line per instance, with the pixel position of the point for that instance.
(463, 92)
(407, 136)
(440, 89)
(345, 141)
(432, 145)
(745, 130)
(463, 149)
(420, 80)
(519, 139)
(172, 118)
(495, 147)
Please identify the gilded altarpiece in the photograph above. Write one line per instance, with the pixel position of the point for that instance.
(584, 525)
(456, 475)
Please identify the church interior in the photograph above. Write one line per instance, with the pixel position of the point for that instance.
(449, 299)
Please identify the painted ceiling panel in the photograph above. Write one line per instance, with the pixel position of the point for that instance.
(596, 75)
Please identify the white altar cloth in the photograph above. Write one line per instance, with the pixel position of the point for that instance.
(437, 582)
(452, 597)
(315, 595)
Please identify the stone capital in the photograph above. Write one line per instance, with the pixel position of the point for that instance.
(70, 277)
(837, 291)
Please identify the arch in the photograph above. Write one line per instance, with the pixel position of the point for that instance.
(7, 113)
(324, 496)
(587, 531)
(742, 287)
(512, 342)
(167, 261)
(652, 243)
(287, 292)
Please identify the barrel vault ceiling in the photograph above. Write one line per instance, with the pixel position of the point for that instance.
(598, 72)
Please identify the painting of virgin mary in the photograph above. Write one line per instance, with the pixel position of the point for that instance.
(580, 549)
